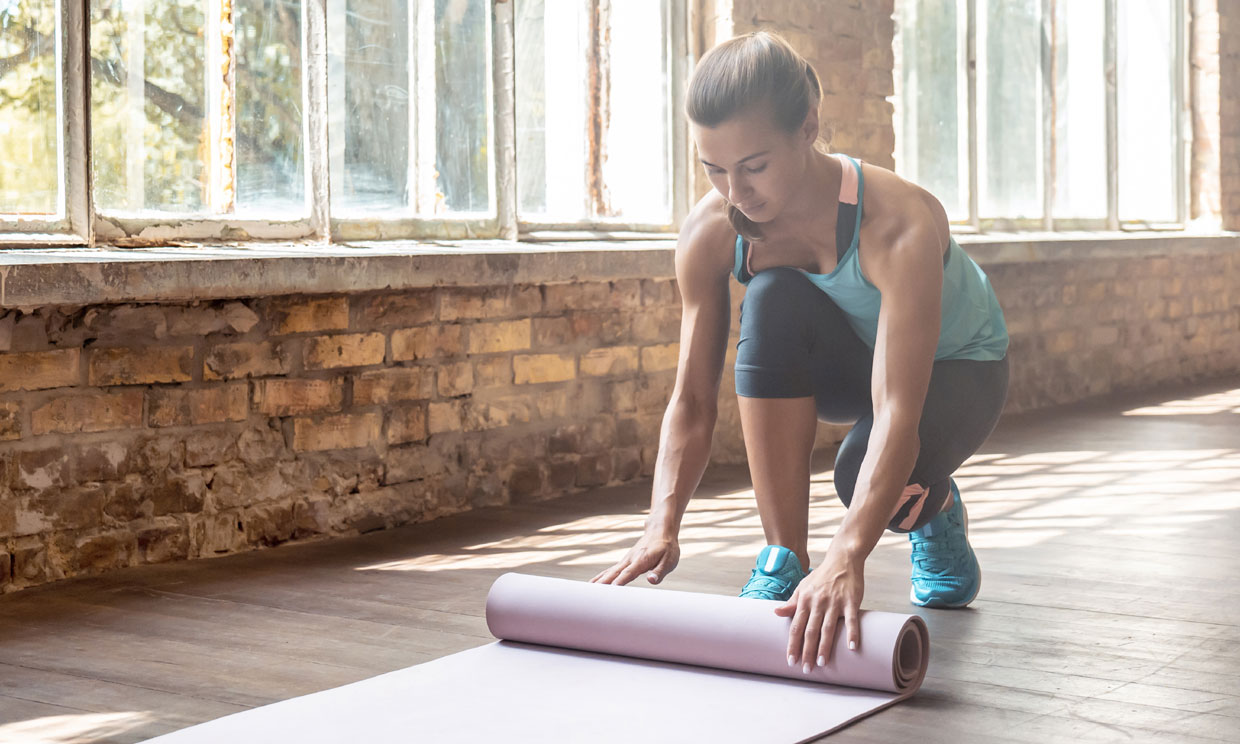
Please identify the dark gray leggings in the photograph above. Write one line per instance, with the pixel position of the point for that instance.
(795, 342)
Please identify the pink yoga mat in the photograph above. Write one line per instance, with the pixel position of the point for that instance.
(582, 662)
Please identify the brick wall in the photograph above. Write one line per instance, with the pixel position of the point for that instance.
(1081, 328)
(137, 433)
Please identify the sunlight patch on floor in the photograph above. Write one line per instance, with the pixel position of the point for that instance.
(1227, 401)
(80, 727)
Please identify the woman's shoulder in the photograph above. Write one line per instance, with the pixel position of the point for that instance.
(707, 238)
(893, 206)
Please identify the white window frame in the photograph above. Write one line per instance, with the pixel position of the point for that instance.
(81, 224)
(1182, 125)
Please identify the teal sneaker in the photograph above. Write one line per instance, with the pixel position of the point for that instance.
(945, 569)
(776, 574)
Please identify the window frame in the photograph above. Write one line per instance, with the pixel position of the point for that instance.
(1181, 124)
(83, 224)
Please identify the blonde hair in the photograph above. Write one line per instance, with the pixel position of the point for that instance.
(758, 69)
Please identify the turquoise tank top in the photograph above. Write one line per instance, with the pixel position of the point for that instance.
(972, 324)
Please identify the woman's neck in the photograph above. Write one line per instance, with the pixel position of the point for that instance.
(806, 215)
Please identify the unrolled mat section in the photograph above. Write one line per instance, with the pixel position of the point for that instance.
(582, 662)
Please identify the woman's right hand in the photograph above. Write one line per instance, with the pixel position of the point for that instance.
(656, 552)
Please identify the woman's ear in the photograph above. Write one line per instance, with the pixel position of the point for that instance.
(809, 129)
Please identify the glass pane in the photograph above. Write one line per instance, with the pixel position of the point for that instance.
(1009, 109)
(551, 110)
(636, 153)
(29, 158)
(932, 152)
(368, 116)
(1147, 109)
(1080, 110)
(458, 171)
(270, 160)
(148, 130)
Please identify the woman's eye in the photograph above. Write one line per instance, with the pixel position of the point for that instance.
(755, 170)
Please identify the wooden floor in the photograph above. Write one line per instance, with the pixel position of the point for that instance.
(1108, 533)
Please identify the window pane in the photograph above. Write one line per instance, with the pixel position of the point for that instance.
(270, 132)
(932, 154)
(148, 129)
(1147, 110)
(29, 159)
(368, 79)
(458, 171)
(636, 157)
(551, 110)
(1009, 108)
(1080, 110)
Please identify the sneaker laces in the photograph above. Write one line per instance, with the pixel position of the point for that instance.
(759, 581)
(943, 551)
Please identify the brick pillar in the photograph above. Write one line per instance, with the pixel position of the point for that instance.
(850, 46)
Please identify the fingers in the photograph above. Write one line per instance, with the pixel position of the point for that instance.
(852, 623)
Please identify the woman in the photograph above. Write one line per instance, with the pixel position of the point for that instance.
(860, 307)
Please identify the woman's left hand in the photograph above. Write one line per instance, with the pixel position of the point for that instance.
(830, 591)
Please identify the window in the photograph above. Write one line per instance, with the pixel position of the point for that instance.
(1045, 114)
(348, 119)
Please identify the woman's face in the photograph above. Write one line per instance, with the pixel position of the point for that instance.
(753, 164)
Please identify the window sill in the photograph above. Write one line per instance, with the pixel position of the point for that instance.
(84, 276)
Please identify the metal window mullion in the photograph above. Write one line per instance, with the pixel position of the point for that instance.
(1183, 120)
(971, 52)
(219, 74)
(424, 107)
(75, 31)
(314, 126)
(1048, 70)
(678, 73)
(504, 82)
(1109, 58)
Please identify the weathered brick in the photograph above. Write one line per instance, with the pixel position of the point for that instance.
(614, 360)
(551, 332)
(427, 342)
(308, 314)
(493, 371)
(192, 407)
(442, 417)
(407, 308)
(660, 357)
(10, 420)
(594, 470)
(344, 350)
(525, 482)
(489, 338)
(291, 397)
(126, 366)
(39, 370)
(657, 324)
(246, 359)
(379, 386)
(96, 553)
(455, 379)
(575, 296)
(166, 541)
(406, 424)
(531, 369)
(178, 493)
(339, 431)
(88, 412)
(269, 524)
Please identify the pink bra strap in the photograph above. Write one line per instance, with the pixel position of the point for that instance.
(848, 184)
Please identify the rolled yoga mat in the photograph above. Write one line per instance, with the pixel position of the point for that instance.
(582, 662)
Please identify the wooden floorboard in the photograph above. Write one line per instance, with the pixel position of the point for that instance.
(1109, 609)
